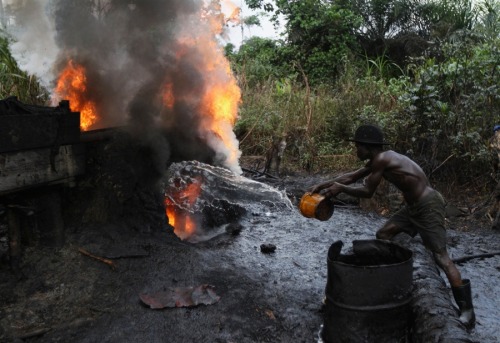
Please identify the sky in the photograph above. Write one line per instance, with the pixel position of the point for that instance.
(265, 30)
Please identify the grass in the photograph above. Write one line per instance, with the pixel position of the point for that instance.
(315, 122)
(15, 82)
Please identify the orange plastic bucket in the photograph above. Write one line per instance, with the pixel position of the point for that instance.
(315, 205)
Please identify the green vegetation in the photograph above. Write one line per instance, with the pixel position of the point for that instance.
(15, 82)
(427, 72)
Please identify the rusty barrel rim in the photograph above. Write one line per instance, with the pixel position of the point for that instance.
(390, 276)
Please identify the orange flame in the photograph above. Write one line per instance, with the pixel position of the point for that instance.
(168, 96)
(72, 86)
(221, 105)
(184, 224)
(221, 96)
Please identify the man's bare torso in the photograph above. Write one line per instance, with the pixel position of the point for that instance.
(404, 173)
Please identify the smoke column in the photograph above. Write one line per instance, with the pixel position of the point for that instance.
(34, 48)
(150, 65)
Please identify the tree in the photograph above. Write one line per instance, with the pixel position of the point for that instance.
(488, 23)
(248, 22)
(319, 35)
(257, 60)
(447, 17)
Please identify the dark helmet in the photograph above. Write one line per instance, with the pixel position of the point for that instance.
(496, 128)
(368, 134)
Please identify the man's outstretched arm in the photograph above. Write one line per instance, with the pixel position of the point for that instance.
(375, 174)
(345, 179)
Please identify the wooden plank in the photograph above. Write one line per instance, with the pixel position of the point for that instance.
(38, 167)
(33, 131)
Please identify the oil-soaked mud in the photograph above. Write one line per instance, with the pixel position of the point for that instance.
(485, 278)
(66, 296)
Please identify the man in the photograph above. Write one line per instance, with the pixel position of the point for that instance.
(424, 212)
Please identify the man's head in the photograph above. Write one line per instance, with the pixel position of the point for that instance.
(369, 134)
(368, 139)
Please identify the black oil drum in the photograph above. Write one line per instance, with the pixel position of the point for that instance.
(368, 293)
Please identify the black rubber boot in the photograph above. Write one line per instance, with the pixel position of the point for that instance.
(463, 297)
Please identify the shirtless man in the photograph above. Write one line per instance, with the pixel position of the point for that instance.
(424, 212)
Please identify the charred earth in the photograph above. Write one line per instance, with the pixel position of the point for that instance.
(118, 246)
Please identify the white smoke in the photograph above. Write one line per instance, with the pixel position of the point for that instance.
(34, 46)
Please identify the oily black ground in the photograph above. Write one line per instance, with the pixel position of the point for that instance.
(67, 296)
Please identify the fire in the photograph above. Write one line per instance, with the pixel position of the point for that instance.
(221, 103)
(177, 206)
(168, 96)
(214, 98)
(218, 105)
(72, 86)
(184, 225)
(221, 96)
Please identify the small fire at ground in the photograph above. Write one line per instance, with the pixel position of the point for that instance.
(202, 200)
(178, 204)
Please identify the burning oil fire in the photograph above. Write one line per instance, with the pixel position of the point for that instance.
(197, 81)
(159, 65)
(177, 209)
(72, 86)
(219, 103)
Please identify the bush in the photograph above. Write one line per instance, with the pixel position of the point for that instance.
(15, 82)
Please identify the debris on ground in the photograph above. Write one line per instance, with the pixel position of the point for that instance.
(181, 297)
(267, 248)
